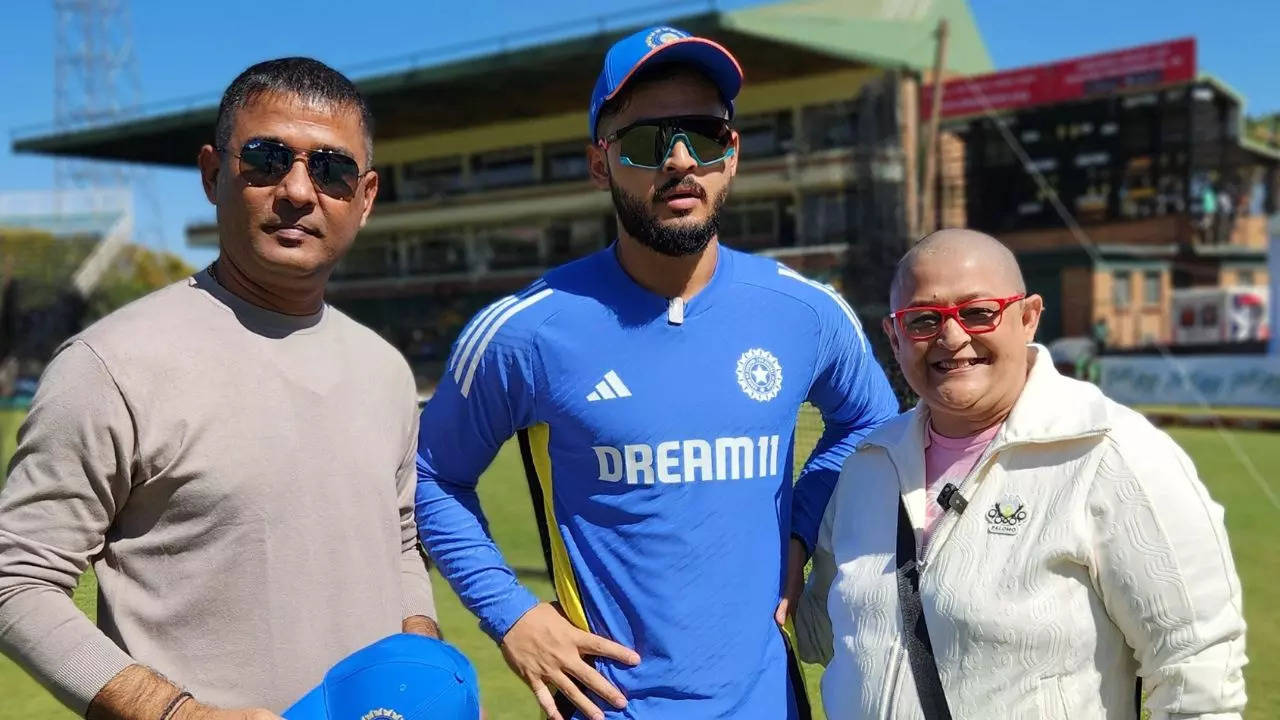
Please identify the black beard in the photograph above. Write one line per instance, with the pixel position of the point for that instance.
(642, 224)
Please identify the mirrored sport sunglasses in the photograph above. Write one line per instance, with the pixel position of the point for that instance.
(266, 162)
(924, 322)
(648, 143)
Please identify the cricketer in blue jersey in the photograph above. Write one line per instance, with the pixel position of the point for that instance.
(653, 387)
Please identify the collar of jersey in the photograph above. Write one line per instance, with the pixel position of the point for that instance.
(630, 292)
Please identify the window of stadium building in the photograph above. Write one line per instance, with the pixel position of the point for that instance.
(830, 126)
(1262, 188)
(1208, 115)
(1011, 198)
(504, 168)
(1138, 196)
(751, 226)
(1151, 287)
(425, 179)
(1175, 124)
(764, 134)
(1112, 158)
(571, 239)
(1138, 130)
(372, 256)
(1121, 289)
(565, 161)
(387, 190)
(1171, 185)
(511, 247)
(827, 218)
(997, 152)
(432, 253)
(1090, 187)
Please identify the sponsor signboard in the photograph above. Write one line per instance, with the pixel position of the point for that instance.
(1136, 68)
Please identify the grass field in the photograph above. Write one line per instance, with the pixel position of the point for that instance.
(1244, 413)
(1251, 521)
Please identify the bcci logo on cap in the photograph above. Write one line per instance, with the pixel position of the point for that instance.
(759, 374)
(382, 714)
(663, 35)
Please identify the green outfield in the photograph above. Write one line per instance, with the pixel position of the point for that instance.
(1251, 521)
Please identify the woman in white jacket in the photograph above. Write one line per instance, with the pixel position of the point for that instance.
(1062, 555)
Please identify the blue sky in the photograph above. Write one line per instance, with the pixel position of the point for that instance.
(194, 49)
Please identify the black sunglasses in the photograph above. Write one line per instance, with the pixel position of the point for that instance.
(648, 143)
(266, 162)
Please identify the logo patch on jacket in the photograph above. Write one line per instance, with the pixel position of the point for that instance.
(1005, 516)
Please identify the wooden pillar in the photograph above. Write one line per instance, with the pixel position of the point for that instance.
(929, 191)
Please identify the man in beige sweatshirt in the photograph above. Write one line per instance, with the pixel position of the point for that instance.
(233, 457)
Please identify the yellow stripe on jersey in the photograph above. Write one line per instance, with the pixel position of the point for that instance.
(800, 684)
(562, 574)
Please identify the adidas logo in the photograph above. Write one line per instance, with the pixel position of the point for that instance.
(609, 388)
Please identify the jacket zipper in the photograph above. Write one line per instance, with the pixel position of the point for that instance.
(949, 518)
(891, 702)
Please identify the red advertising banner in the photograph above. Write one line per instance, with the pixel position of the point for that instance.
(1135, 68)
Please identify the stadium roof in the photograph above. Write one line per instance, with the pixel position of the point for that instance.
(552, 70)
(1246, 142)
(64, 213)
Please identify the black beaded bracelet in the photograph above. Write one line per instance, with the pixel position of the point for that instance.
(174, 704)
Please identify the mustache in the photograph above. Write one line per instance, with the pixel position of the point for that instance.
(684, 184)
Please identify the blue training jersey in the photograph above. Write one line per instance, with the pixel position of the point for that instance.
(658, 450)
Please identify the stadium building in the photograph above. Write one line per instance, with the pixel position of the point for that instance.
(483, 165)
(1125, 183)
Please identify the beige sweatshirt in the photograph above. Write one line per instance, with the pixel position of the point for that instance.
(242, 483)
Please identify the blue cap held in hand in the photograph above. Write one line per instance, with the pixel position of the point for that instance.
(401, 677)
(663, 44)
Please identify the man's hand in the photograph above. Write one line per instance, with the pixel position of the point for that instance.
(139, 693)
(547, 651)
(421, 625)
(793, 584)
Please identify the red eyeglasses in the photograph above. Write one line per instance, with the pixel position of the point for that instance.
(924, 322)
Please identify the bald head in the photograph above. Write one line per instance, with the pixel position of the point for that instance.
(967, 251)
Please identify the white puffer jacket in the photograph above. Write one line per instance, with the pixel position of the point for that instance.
(1089, 555)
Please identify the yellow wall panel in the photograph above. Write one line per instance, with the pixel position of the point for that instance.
(568, 127)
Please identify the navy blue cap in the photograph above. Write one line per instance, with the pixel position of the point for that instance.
(663, 44)
(402, 677)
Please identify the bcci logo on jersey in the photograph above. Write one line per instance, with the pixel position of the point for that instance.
(759, 374)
